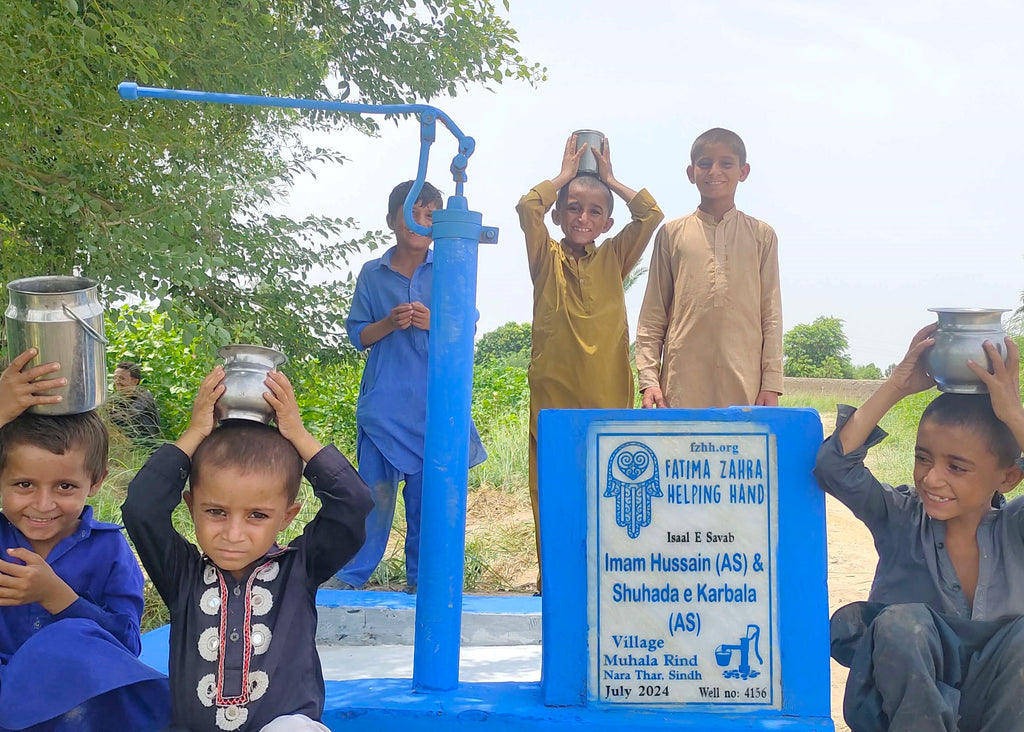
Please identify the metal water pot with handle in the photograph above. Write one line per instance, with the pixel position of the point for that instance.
(63, 318)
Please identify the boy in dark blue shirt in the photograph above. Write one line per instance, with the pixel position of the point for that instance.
(243, 609)
(70, 588)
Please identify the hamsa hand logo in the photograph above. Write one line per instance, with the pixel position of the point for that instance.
(633, 482)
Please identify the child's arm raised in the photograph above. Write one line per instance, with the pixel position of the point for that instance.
(289, 422)
(202, 421)
(570, 163)
(19, 389)
(156, 490)
(339, 527)
(630, 243)
(532, 207)
(909, 377)
(604, 172)
(1004, 386)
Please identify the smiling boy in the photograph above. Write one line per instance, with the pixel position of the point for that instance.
(70, 588)
(243, 613)
(580, 336)
(940, 643)
(390, 317)
(710, 327)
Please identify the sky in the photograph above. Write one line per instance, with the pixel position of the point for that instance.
(883, 139)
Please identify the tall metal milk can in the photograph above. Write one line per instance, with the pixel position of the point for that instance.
(63, 318)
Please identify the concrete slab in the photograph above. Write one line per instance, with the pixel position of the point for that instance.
(476, 663)
(369, 618)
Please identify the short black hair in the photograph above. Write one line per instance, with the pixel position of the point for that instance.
(249, 447)
(587, 181)
(428, 194)
(58, 434)
(974, 412)
(719, 135)
(132, 368)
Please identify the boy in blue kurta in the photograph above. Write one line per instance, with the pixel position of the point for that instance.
(70, 588)
(391, 316)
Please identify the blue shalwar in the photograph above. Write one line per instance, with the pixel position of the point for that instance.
(391, 414)
(79, 669)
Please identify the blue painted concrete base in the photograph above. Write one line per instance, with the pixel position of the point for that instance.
(375, 705)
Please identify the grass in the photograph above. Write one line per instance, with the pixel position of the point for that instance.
(499, 534)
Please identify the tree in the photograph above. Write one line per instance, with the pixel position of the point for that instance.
(870, 371)
(164, 202)
(511, 339)
(818, 349)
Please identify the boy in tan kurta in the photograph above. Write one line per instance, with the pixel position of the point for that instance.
(710, 328)
(580, 336)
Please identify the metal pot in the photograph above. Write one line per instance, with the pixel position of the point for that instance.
(594, 140)
(63, 318)
(960, 336)
(245, 369)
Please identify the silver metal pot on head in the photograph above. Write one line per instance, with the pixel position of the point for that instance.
(63, 318)
(245, 371)
(594, 140)
(960, 336)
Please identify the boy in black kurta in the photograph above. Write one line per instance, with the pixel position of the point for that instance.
(232, 664)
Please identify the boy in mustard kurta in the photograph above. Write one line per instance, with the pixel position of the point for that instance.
(580, 336)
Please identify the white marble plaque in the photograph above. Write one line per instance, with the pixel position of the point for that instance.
(682, 536)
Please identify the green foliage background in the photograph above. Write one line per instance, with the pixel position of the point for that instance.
(164, 202)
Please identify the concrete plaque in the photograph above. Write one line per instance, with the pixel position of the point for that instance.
(681, 553)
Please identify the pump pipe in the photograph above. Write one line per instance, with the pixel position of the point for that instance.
(456, 231)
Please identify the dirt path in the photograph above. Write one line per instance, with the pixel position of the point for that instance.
(851, 565)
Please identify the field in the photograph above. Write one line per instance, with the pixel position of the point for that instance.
(500, 540)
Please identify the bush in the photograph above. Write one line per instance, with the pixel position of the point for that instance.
(511, 339)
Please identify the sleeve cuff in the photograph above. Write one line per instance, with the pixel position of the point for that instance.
(81, 608)
(547, 192)
(843, 414)
(355, 335)
(171, 463)
(641, 203)
(326, 464)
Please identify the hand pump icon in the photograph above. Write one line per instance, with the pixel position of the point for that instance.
(723, 654)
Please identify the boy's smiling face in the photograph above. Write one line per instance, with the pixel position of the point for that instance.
(407, 239)
(717, 172)
(43, 494)
(956, 474)
(238, 515)
(585, 215)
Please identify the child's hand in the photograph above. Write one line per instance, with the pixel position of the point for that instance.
(420, 316)
(33, 581)
(19, 390)
(653, 398)
(1004, 381)
(401, 316)
(604, 172)
(289, 422)
(202, 421)
(767, 398)
(604, 163)
(911, 375)
(570, 162)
